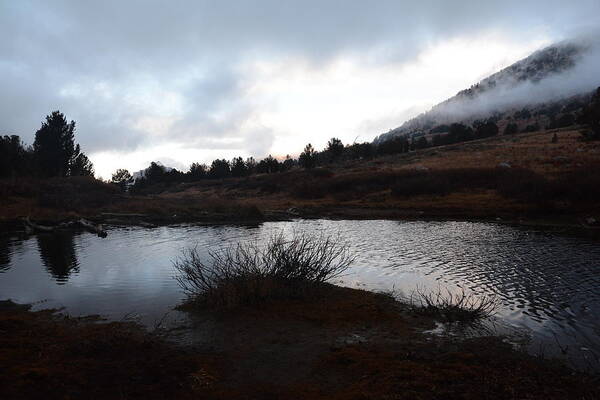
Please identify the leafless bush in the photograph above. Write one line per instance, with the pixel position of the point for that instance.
(453, 307)
(250, 273)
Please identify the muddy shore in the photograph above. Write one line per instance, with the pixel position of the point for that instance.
(342, 344)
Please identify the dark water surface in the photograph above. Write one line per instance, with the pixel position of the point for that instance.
(548, 284)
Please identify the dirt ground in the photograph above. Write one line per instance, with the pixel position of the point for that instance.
(343, 344)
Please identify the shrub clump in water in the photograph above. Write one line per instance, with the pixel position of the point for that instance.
(248, 273)
(453, 307)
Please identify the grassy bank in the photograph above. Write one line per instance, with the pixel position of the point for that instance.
(525, 177)
(60, 199)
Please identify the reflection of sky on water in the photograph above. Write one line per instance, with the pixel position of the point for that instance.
(546, 282)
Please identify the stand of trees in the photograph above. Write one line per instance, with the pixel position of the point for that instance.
(15, 159)
(591, 117)
(54, 152)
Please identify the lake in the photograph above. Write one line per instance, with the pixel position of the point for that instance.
(548, 284)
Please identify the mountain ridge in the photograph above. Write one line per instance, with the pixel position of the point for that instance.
(507, 95)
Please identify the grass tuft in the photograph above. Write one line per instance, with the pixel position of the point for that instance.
(248, 273)
(453, 307)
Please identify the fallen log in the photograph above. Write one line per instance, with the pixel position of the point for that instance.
(146, 224)
(97, 229)
(123, 215)
(32, 227)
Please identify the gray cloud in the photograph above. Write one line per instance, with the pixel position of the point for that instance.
(96, 60)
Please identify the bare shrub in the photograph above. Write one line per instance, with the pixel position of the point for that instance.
(68, 193)
(247, 273)
(453, 307)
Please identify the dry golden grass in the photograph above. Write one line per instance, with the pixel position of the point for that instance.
(365, 189)
(532, 151)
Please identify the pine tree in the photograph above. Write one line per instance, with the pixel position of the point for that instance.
(121, 177)
(335, 148)
(54, 145)
(81, 164)
(308, 158)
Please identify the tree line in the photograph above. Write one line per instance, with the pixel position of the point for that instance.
(335, 151)
(54, 152)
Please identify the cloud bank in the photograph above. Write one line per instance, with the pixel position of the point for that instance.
(202, 79)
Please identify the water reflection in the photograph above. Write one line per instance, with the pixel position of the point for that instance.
(57, 252)
(5, 252)
(548, 283)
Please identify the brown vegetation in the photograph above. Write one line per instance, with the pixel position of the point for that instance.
(524, 176)
(44, 355)
(344, 344)
(249, 273)
(57, 199)
(512, 177)
(54, 198)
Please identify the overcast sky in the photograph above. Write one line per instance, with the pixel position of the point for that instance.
(184, 81)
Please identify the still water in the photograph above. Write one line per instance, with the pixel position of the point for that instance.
(548, 285)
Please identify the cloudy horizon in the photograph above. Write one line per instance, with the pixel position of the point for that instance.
(190, 82)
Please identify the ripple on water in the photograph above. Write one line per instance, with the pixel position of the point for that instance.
(546, 283)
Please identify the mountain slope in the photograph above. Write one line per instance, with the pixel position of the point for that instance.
(532, 91)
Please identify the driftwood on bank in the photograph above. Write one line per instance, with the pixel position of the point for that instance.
(32, 227)
(90, 226)
(123, 215)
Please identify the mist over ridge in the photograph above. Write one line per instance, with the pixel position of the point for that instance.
(562, 72)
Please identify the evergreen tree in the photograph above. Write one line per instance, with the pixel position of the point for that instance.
(250, 165)
(335, 148)
(511, 129)
(14, 158)
(420, 143)
(81, 166)
(288, 163)
(591, 117)
(399, 144)
(268, 165)
(238, 167)
(220, 169)
(121, 177)
(54, 145)
(154, 173)
(308, 157)
(361, 150)
(485, 129)
(197, 171)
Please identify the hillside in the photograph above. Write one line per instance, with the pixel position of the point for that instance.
(532, 93)
(529, 178)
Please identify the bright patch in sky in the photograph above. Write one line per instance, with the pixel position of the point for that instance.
(281, 104)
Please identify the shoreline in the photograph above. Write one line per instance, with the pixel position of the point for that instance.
(344, 344)
(546, 184)
(570, 224)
